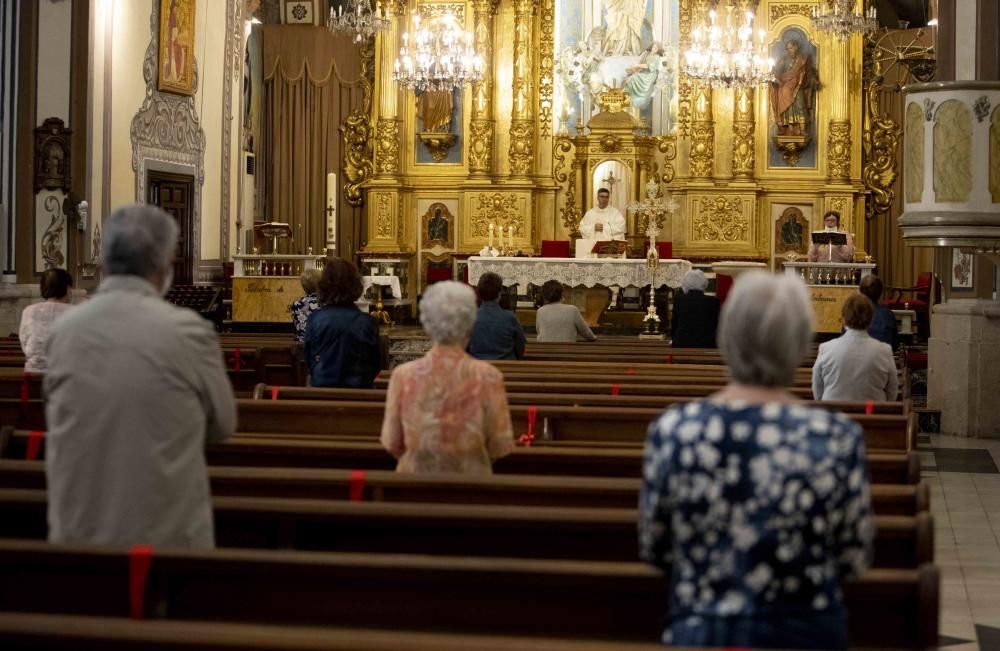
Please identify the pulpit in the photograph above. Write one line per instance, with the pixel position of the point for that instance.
(829, 285)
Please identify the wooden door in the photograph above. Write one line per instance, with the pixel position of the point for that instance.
(175, 194)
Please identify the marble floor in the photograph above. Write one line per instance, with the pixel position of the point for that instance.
(965, 502)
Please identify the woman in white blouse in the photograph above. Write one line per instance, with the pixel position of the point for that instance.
(37, 319)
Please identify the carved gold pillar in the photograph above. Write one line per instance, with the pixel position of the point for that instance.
(481, 121)
(387, 126)
(522, 127)
(702, 133)
(743, 134)
(839, 132)
(546, 85)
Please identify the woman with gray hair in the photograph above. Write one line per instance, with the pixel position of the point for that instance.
(756, 504)
(447, 412)
(696, 315)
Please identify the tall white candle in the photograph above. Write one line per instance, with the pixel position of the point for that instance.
(331, 211)
(510, 237)
(491, 236)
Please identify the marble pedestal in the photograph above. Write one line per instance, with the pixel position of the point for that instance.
(964, 367)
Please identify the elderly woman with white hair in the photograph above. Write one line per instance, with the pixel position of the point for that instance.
(756, 504)
(447, 411)
(696, 314)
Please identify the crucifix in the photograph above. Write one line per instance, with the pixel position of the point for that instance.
(610, 180)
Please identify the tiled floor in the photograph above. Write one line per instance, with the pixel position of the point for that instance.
(965, 502)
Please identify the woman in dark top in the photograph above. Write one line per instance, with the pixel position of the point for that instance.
(341, 342)
(696, 316)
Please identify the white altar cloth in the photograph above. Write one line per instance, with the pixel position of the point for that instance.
(387, 281)
(606, 272)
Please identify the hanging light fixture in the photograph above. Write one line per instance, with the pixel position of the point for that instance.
(437, 56)
(842, 18)
(726, 55)
(359, 19)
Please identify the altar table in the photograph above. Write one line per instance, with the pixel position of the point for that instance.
(574, 272)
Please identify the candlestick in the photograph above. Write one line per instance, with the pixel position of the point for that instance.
(491, 236)
(331, 210)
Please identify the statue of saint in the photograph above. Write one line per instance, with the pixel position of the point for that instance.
(793, 92)
(437, 227)
(640, 80)
(434, 109)
(624, 20)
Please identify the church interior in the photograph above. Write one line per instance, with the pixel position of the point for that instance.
(612, 146)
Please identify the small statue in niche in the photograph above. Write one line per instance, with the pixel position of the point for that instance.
(434, 108)
(793, 92)
(437, 227)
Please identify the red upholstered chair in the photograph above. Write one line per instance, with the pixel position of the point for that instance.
(919, 302)
(663, 249)
(555, 249)
(437, 274)
(723, 284)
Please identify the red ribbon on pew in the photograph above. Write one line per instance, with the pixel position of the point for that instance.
(378, 375)
(630, 371)
(34, 445)
(670, 359)
(357, 484)
(615, 388)
(869, 407)
(236, 360)
(140, 557)
(529, 436)
(274, 393)
(25, 390)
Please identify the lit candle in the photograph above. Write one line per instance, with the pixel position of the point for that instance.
(331, 210)
(491, 236)
(510, 237)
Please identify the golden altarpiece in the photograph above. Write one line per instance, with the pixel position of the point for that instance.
(506, 151)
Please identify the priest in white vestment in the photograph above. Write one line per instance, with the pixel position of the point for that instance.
(603, 222)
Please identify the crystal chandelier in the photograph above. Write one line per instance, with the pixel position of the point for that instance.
(842, 18)
(439, 56)
(359, 19)
(726, 55)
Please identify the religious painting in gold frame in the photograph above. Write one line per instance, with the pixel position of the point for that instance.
(437, 226)
(791, 229)
(175, 69)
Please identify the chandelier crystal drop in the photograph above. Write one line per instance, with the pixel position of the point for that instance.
(842, 18)
(359, 19)
(726, 55)
(438, 56)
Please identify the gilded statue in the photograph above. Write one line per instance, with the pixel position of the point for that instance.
(434, 107)
(793, 91)
(624, 20)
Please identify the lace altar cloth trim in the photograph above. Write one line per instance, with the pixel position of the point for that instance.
(578, 272)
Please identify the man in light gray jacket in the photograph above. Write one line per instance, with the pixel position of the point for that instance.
(558, 322)
(855, 366)
(134, 390)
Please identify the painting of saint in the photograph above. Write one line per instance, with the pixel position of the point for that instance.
(176, 65)
(793, 91)
(437, 227)
(437, 223)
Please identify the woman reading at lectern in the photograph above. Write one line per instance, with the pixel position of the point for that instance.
(832, 252)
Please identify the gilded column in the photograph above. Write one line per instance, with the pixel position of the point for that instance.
(839, 133)
(546, 85)
(387, 126)
(702, 133)
(743, 134)
(522, 127)
(481, 121)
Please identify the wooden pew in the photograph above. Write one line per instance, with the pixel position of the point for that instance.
(609, 601)
(450, 488)
(40, 632)
(288, 451)
(269, 392)
(447, 529)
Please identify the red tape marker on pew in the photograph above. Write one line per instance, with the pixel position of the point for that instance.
(236, 360)
(527, 438)
(140, 557)
(630, 371)
(274, 393)
(869, 407)
(670, 359)
(34, 445)
(25, 390)
(615, 388)
(357, 484)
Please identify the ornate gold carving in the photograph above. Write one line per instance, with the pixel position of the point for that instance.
(610, 143)
(684, 85)
(383, 215)
(497, 208)
(546, 61)
(667, 146)
(840, 205)
(521, 86)
(387, 143)
(613, 100)
(791, 9)
(570, 213)
(521, 146)
(720, 219)
(743, 133)
(702, 149)
(356, 133)
(437, 10)
(839, 148)
(438, 144)
(52, 155)
(480, 146)
(880, 137)
(791, 147)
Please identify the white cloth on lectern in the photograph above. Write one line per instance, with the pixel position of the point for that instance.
(614, 224)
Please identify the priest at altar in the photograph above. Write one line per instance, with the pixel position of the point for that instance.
(603, 222)
(832, 252)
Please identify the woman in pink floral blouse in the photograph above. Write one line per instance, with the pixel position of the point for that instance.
(447, 412)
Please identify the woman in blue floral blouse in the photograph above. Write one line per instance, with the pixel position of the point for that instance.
(303, 307)
(755, 504)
